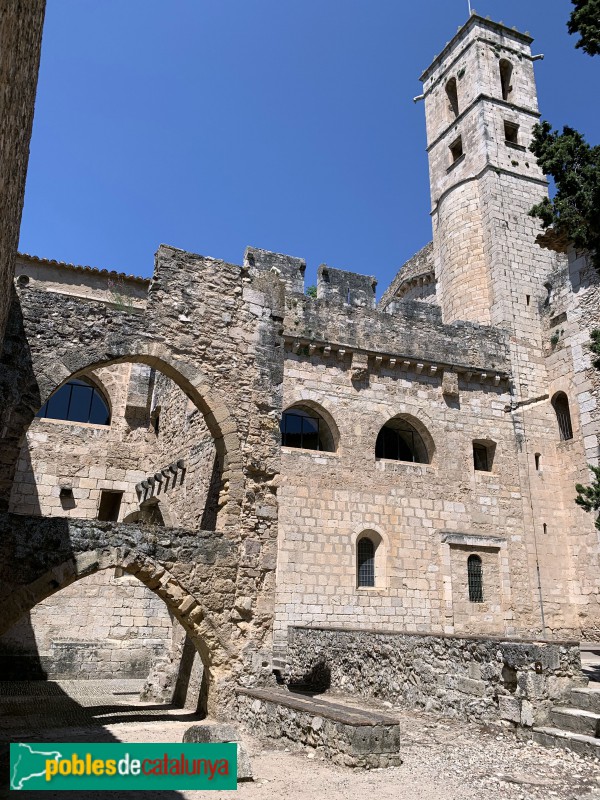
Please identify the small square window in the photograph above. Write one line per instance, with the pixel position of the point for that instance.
(456, 149)
(483, 456)
(511, 133)
(110, 505)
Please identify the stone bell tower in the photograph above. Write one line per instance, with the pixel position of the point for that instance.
(481, 106)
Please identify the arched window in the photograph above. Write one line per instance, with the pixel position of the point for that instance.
(475, 579)
(506, 70)
(365, 562)
(77, 401)
(398, 440)
(563, 416)
(302, 427)
(452, 95)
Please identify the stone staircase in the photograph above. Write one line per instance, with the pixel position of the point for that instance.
(576, 726)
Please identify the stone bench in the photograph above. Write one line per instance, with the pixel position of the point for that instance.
(353, 737)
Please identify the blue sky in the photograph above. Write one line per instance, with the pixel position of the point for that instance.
(283, 124)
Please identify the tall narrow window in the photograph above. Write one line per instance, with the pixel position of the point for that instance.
(511, 133)
(456, 149)
(506, 71)
(365, 553)
(475, 579)
(452, 95)
(563, 416)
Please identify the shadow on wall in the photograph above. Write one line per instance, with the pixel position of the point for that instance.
(19, 399)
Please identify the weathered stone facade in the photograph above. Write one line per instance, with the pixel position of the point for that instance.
(20, 46)
(246, 538)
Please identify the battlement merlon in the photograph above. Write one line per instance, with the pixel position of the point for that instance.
(288, 268)
(339, 286)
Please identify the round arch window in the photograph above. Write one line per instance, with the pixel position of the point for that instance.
(302, 427)
(398, 440)
(77, 401)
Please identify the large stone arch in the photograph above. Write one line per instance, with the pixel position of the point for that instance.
(74, 550)
(190, 379)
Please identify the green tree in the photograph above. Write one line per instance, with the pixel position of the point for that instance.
(588, 497)
(585, 20)
(311, 291)
(575, 166)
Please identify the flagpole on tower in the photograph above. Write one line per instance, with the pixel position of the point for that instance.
(469, 2)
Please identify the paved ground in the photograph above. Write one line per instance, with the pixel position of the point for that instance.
(443, 760)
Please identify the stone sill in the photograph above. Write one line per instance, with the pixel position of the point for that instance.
(454, 164)
(390, 463)
(515, 146)
(311, 453)
(92, 425)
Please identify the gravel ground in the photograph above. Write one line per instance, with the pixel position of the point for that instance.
(443, 759)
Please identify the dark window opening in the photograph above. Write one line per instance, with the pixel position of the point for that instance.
(483, 455)
(480, 458)
(475, 579)
(511, 133)
(456, 149)
(506, 71)
(452, 95)
(399, 441)
(77, 401)
(538, 457)
(303, 429)
(545, 528)
(110, 505)
(365, 562)
(528, 299)
(563, 416)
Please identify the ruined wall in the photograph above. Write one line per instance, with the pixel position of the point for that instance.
(482, 678)
(180, 433)
(20, 45)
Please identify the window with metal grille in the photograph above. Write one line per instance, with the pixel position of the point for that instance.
(475, 579)
(366, 562)
(399, 441)
(563, 416)
(77, 401)
(303, 428)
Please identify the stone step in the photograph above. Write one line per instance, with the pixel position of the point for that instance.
(567, 740)
(587, 699)
(575, 720)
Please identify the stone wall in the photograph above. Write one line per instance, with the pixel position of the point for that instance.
(483, 679)
(106, 625)
(20, 45)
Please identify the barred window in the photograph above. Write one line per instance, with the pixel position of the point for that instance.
(366, 562)
(475, 579)
(563, 416)
(77, 401)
